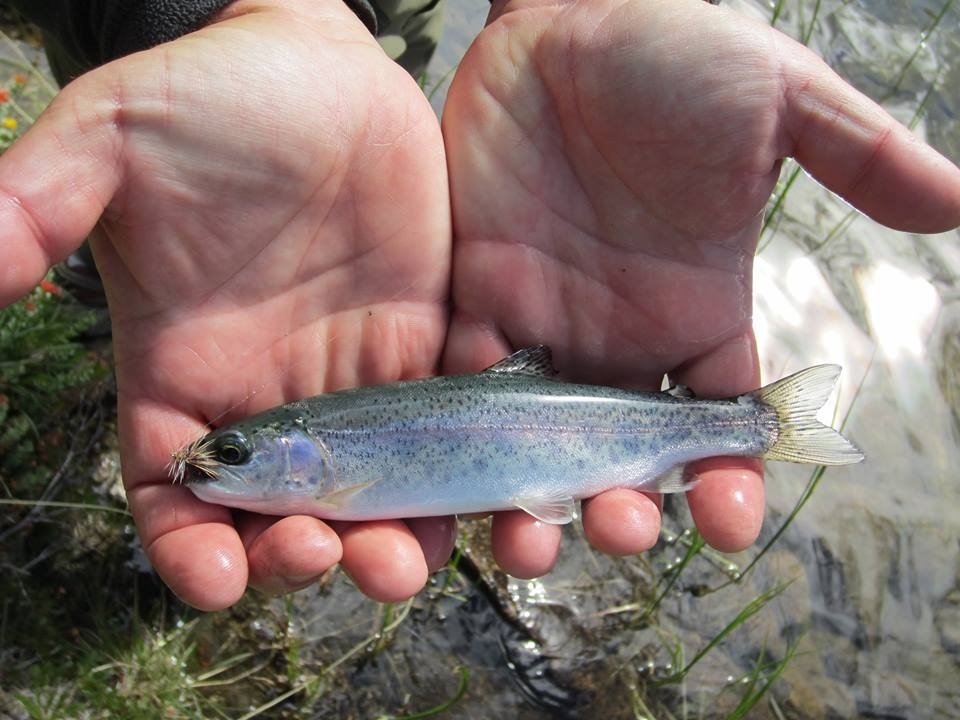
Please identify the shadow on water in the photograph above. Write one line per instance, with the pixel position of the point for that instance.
(470, 617)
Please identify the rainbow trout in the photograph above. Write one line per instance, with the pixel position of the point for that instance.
(506, 438)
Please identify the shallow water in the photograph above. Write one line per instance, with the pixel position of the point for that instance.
(879, 541)
(873, 558)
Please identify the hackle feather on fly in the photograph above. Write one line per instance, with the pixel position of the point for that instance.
(197, 455)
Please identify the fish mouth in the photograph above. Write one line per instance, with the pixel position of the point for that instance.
(193, 463)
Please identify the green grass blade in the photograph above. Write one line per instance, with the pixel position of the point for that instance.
(924, 36)
(673, 573)
(65, 505)
(777, 205)
(925, 100)
(756, 692)
(808, 33)
(445, 705)
(23, 63)
(748, 611)
(777, 11)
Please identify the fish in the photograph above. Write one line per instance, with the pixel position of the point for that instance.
(509, 437)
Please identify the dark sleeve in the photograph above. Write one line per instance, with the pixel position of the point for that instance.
(86, 33)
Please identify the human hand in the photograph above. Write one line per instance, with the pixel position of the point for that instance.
(609, 164)
(275, 224)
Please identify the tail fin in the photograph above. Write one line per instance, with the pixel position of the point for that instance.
(802, 437)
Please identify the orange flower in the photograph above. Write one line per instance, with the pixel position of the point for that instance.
(20, 79)
(50, 287)
(4, 95)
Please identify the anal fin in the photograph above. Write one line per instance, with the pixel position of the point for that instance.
(679, 478)
(555, 509)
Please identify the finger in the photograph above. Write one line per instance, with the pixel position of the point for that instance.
(622, 522)
(728, 502)
(437, 536)
(524, 546)
(851, 145)
(384, 559)
(288, 553)
(55, 182)
(191, 544)
(204, 565)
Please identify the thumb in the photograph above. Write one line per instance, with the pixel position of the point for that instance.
(56, 180)
(851, 145)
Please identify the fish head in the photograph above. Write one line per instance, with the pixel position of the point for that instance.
(265, 467)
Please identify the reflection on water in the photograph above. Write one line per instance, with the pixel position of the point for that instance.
(874, 605)
(878, 542)
(901, 309)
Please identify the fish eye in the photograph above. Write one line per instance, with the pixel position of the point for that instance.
(232, 448)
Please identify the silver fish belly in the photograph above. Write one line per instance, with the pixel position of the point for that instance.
(506, 438)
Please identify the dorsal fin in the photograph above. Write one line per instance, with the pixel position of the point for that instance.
(536, 361)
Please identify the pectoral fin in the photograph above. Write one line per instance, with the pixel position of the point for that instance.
(555, 509)
(338, 498)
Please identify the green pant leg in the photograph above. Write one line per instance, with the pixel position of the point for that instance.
(409, 31)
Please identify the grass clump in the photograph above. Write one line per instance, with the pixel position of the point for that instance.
(43, 368)
(43, 372)
(153, 659)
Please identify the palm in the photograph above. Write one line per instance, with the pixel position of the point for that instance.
(256, 247)
(248, 258)
(631, 215)
(607, 186)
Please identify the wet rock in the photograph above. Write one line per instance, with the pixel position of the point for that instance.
(793, 606)
(807, 691)
(947, 620)
(716, 686)
(785, 617)
(892, 696)
(832, 586)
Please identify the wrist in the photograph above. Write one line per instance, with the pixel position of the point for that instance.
(499, 8)
(319, 10)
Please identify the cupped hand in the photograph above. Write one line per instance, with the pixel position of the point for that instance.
(275, 223)
(609, 164)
